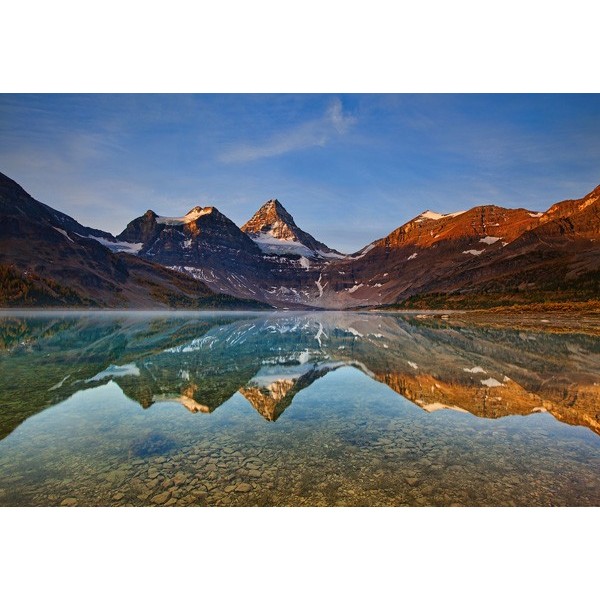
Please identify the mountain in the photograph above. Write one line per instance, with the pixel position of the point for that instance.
(274, 230)
(487, 255)
(269, 259)
(49, 259)
(482, 257)
(17, 203)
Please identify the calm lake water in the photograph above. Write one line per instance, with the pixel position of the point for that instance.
(270, 409)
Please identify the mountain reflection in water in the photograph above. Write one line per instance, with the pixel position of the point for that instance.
(295, 408)
(202, 361)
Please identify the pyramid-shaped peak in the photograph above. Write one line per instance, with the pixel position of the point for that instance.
(272, 224)
(272, 218)
(274, 207)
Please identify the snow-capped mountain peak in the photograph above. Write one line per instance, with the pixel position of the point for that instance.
(189, 217)
(273, 228)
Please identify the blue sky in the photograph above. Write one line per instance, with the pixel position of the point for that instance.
(350, 168)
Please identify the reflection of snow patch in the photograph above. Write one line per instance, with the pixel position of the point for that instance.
(59, 384)
(439, 406)
(413, 365)
(414, 255)
(116, 371)
(474, 370)
(354, 332)
(473, 252)
(354, 288)
(491, 382)
(304, 357)
(320, 333)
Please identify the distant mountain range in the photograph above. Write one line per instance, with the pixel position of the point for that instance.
(485, 256)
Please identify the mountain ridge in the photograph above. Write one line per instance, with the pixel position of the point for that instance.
(486, 250)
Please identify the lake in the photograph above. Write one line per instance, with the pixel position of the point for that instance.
(297, 409)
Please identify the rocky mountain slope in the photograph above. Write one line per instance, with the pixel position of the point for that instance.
(486, 253)
(49, 259)
(482, 257)
(269, 259)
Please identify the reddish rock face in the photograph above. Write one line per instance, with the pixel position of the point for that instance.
(483, 251)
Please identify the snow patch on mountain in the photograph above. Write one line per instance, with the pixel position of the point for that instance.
(434, 216)
(489, 240)
(362, 252)
(194, 214)
(63, 233)
(319, 286)
(269, 244)
(304, 263)
(130, 248)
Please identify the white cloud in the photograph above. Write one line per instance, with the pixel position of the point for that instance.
(312, 133)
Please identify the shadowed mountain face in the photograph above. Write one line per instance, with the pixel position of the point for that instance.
(269, 259)
(203, 362)
(49, 259)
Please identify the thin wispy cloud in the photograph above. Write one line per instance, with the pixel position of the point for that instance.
(316, 132)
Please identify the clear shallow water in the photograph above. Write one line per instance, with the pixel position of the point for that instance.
(295, 409)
